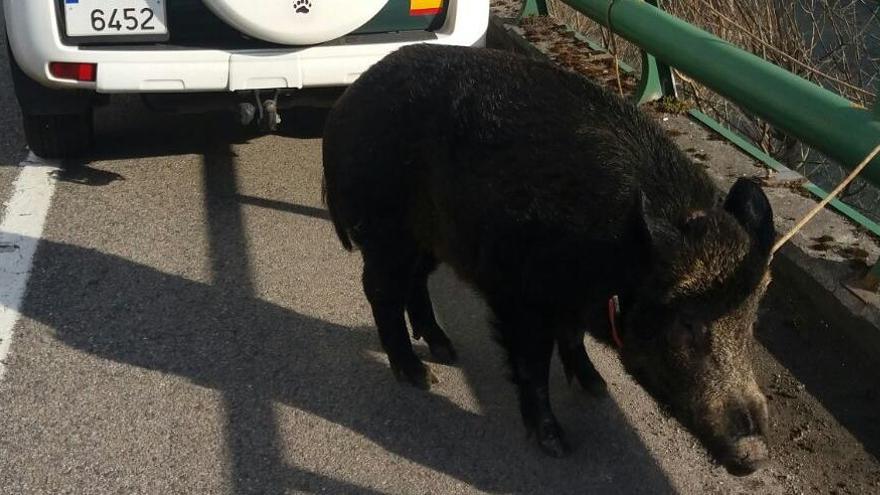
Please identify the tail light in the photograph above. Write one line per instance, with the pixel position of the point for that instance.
(74, 70)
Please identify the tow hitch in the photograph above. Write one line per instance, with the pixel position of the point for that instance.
(264, 112)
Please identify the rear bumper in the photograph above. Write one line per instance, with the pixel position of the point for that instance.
(34, 36)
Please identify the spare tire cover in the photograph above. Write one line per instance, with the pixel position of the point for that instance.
(296, 22)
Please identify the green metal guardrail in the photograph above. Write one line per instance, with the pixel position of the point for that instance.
(821, 119)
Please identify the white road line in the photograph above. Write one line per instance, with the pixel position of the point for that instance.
(19, 235)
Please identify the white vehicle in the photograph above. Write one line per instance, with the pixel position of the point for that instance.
(255, 56)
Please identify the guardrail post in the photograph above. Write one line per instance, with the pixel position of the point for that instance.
(872, 279)
(877, 104)
(534, 7)
(657, 80)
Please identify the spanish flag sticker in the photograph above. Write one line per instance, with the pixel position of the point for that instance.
(425, 7)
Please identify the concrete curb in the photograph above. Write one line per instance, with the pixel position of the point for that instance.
(816, 262)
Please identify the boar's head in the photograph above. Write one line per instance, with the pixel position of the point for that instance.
(687, 335)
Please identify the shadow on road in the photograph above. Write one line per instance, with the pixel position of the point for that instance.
(308, 211)
(81, 173)
(257, 354)
(127, 129)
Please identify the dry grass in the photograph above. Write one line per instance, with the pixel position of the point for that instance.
(833, 43)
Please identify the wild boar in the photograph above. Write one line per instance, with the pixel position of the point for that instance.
(551, 196)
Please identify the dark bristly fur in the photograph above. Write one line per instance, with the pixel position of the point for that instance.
(549, 195)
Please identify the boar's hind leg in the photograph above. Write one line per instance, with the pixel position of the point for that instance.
(577, 364)
(421, 313)
(387, 273)
(530, 350)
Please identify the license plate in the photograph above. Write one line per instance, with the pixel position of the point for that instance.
(102, 19)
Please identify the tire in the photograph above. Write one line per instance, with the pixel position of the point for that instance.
(59, 136)
(57, 123)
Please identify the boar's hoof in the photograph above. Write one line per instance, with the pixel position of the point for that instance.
(443, 352)
(551, 440)
(415, 373)
(746, 455)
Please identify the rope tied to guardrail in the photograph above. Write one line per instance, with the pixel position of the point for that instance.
(614, 47)
(830, 197)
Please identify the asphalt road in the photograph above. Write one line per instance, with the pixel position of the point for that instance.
(191, 325)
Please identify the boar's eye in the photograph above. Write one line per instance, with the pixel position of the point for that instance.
(696, 329)
(688, 331)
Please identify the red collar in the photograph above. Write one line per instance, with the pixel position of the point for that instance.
(614, 320)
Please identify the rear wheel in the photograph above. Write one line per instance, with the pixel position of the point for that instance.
(57, 122)
(59, 136)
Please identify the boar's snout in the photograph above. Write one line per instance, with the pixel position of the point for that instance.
(741, 446)
(746, 455)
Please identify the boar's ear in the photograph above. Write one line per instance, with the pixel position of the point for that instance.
(747, 203)
(658, 233)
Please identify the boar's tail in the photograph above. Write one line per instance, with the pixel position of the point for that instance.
(333, 209)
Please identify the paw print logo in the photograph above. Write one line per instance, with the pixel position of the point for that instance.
(302, 6)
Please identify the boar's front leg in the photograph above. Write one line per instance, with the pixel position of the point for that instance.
(530, 348)
(388, 269)
(577, 364)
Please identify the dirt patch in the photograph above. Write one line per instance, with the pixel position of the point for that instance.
(506, 9)
(562, 45)
(854, 254)
(823, 397)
